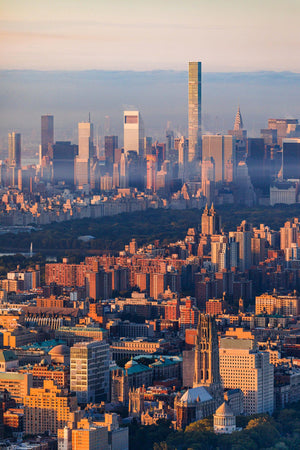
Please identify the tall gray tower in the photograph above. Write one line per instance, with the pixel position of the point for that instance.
(194, 112)
(47, 133)
(14, 149)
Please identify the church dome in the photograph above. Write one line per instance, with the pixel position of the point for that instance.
(130, 364)
(224, 410)
(60, 350)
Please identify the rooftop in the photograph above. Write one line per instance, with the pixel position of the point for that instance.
(7, 355)
(224, 410)
(198, 394)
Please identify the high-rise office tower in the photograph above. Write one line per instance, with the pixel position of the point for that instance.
(269, 136)
(290, 158)
(133, 132)
(207, 372)
(47, 134)
(243, 367)
(229, 161)
(207, 170)
(243, 237)
(151, 172)
(116, 175)
(123, 171)
(86, 152)
(85, 140)
(110, 144)
(182, 147)
(194, 112)
(283, 127)
(147, 146)
(170, 142)
(14, 149)
(220, 255)
(222, 150)
(257, 163)
(90, 371)
(64, 154)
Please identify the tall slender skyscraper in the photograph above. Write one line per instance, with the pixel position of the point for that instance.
(47, 133)
(110, 144)
(194, 112)
(14, 149)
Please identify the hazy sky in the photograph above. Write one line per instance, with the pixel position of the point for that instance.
(227, 35)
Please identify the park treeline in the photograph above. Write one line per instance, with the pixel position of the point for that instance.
(112, 233)
(280, 431)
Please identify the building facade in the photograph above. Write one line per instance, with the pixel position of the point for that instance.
(89, 377)
(133, 132)
(47, 134)
(14, 149)
(243, 367)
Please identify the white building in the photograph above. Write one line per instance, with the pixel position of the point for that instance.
(85, 140)
(243, 367)
(133, 132)
(85, 153)
(224, 420)
(90, 371)
(283, 192)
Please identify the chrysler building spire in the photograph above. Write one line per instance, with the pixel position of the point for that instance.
(238, 123)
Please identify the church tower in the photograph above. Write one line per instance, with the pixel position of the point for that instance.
(136, 402)
(207, 371)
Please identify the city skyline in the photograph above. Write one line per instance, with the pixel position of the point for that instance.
(159, 303)
(135, 35)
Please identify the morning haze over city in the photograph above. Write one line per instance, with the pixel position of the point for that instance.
(149, 224)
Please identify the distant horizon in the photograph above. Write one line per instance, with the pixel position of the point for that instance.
(160, 95)
(154, 70)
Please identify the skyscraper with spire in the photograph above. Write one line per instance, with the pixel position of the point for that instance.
(240, 138)
(238, 127)
(238, 123)
(195, 132)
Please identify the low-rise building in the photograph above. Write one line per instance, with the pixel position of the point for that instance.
(125, 348)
